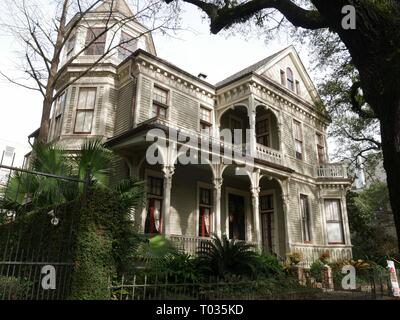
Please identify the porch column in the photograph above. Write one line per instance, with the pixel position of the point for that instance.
(168, 172)
(253, 140)
(285, 204)
(217, 228)
(256, 215)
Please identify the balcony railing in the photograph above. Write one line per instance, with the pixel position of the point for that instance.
(192, 245)
(332, 170)
(311, 253)
(268, 154)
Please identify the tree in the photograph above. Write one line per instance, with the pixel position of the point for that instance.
(44, 39)
(373, 46)
(369, 238)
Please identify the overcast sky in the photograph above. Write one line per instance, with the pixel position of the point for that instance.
(215, 55)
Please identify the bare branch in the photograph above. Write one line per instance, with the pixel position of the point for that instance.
(13, 81)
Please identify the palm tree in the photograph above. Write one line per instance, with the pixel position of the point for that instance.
(27, 192)
(226, 257)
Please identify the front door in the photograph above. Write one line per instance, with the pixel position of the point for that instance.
(236, 217)
(267, 218)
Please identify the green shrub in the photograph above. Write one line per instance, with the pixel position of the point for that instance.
(227, 257)
(14, 288)
(315, 270)
(269, 266)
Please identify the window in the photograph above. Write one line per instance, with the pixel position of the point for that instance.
(283, 78)
(205, 209)
(128, 45)
(85, 110)
(155, 190)
(298, 87)
(305, 218)
(70, 45)
(267, 220)
(60, 106)
(298, 140)
(160, 102)
(235, 122)
(263, 132)
(289, 78)
(334, 223)
(205, 119)
(320, 148)
(95, 41)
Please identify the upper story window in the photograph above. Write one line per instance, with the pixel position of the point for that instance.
(263, 131)
(205, 215)
(70, 45)
(85, 110)
(160, 102)
(305, 218)
(60, 107)
(283, 78)
(290, 79)
(320, 148)
(128, 45)
(298, 139)
(95, 41)
(298, 87)
(205, 119)
(155, 190)
(334, 224)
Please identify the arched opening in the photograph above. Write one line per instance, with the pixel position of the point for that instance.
(272, 216)
(236, 118)
(267, 128)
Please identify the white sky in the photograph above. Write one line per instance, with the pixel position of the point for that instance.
(215, 55)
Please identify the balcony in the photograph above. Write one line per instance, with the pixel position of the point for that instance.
(268, 154)
(332, 170)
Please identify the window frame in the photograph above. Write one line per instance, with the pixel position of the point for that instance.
(94, 42)
(158, 104)
(58, 114)
(200, 206)
(305, 219)
(153, 197)
(340, 222)
(70, 46)
(267, 133)
(123, 50)
(205, 124)
(283, 77)
(296, 140)
(290, 81)
(320, 147)
(79, 110)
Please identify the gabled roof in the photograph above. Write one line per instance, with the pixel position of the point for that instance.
(262, 66)
(253, 68)
(117, 6)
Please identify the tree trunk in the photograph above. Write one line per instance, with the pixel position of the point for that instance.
(390, 131)
(45, 121)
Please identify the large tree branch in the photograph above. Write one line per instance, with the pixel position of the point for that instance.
(224, 17)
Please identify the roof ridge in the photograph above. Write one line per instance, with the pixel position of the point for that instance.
(251, 68)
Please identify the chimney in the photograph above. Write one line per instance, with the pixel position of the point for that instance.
(202, 76)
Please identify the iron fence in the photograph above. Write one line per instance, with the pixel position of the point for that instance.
(173, 287)
(36, 234)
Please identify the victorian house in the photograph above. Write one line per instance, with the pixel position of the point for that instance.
(291, 199)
